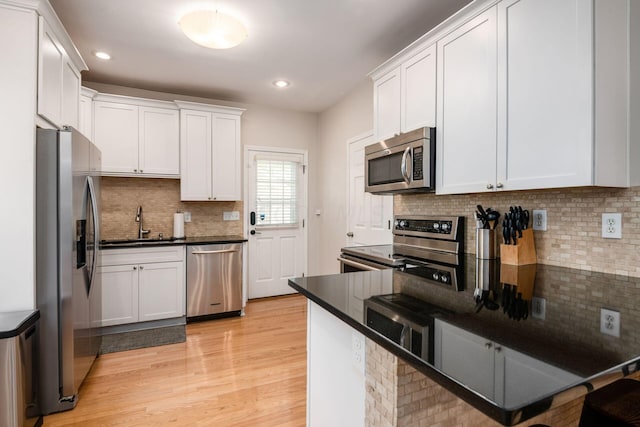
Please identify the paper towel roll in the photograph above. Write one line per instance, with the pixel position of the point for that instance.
(178, 225)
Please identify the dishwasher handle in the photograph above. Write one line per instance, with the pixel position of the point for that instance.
(221, 251)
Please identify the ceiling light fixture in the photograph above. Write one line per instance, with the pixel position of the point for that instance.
(281, 84)
(102, 55)
(213, 29)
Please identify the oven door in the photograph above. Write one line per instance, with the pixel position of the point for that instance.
(349, 264)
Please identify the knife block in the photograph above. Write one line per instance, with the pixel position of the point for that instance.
(522, 277)
(522, 253)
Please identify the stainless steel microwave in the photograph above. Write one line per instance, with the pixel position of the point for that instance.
(404, 163)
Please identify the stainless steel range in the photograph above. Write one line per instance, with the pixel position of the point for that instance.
(429, 246)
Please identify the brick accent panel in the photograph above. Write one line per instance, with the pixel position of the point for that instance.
(396, 389)
(160, 199)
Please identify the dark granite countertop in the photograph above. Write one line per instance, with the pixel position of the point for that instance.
(14, 323)
(195, 240)
(563, 345)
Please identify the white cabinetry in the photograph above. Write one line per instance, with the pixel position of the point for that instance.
(140, 285)
(499, 373)
(58, 80)
(209, 152)
(466, 130)
(137, 137)
(85, 116)
(536, 111)
(405, 96)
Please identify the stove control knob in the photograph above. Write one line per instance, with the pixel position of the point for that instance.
(403, 223)
(436, 225)
(436, 276)
(444, 278)
(445, 227)
(396, 223)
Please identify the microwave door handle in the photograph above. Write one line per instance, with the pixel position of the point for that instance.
(403, 165)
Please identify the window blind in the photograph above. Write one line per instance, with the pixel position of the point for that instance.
(276, 192)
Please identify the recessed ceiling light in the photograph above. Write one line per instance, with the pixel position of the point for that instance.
(281, 83)
(102, 55)
(213, 29)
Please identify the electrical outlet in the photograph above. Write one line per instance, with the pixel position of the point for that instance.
(358, 350)
(231, 216)
(610, 322)
(612, 225)
(540, 219)
(538, 308)
(187, 217)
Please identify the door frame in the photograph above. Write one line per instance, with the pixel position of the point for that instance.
(363, 135)
(245, 198)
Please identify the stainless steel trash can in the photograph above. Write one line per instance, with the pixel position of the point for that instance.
(18, 392)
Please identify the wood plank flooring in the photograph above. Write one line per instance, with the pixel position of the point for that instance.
(248, 371)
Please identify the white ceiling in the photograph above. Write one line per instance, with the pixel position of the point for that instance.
(323, 47)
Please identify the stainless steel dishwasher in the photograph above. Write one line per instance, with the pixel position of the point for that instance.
(214, 279)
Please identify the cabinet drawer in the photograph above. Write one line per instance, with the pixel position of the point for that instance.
(141, 255)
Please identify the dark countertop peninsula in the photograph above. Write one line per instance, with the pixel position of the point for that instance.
(564, 342)
(196, 240)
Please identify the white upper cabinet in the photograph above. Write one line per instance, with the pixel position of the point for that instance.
(530, 94)
(405, 97)
(418, 90)
(210, 152)
(85, 114)
(466, 130)
(137, 137)
(386, 105)
(545, 94)
(58, 79)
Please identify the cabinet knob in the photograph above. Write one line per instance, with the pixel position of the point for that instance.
(135, 268)
(350, 234)
(498, 349)
(489, 186)
(141, 171)
(141, 268)
(499, 185)
(488, 345)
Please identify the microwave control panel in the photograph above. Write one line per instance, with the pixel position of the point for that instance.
(417, 164)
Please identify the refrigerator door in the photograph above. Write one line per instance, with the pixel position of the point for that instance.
(67, 225)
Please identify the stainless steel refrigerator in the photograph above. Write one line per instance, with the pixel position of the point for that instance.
(68, 288)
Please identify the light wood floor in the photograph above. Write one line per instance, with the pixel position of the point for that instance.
(248, 371)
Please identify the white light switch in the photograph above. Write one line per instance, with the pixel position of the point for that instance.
(231, 216)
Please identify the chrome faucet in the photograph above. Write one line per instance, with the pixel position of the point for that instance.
(142, 233)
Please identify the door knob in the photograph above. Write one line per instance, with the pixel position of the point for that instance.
(252, 232)
(350, 234)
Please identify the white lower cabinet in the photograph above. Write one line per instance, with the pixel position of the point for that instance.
(140, 285)
(501, 374)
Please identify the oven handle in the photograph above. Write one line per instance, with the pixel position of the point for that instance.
(359, 265)
(403, 165)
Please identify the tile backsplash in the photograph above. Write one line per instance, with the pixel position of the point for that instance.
(160, 199)
(573, 237)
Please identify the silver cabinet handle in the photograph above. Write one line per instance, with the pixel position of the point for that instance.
(499, 185)
(489, 186)
(222, 251)
(350, 234)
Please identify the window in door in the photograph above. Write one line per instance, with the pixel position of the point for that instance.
(276, 192)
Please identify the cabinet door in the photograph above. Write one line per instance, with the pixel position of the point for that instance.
(115, 132)
(195, 155)
(119, 294)
(50, 68)
(85, 117)
(161, 291)
(159, 141)
(466, 116)
(386, 104)
(418, 77)
(465, 357)
(225, 149)
(70, 95)
(545, 93)
(520, 377)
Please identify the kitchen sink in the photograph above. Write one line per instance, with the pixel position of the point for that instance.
(137, 242)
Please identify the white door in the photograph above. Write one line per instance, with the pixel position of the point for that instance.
(276, 206)
(370, 216)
